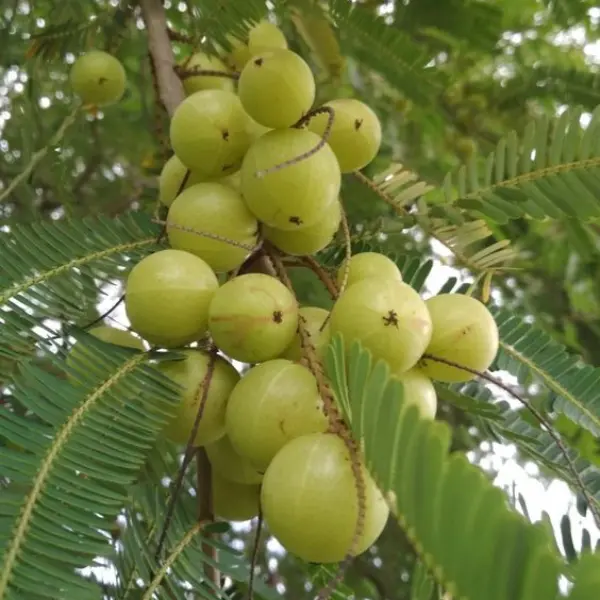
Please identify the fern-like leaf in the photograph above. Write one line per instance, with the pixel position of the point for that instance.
(587, 578)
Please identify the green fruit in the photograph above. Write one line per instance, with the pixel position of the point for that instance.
(294, 196)
(171, 178)
(367, 265)
(308, 240)
(209, 133)
(234, 501)
(263, 36)
(388, 317)
(197, 83)
(314, 317)
(276, 88)
(229, 464)
(419, 390)
(355, 135)
(216, 209)
(464, 331)
(275, 402)
(167, 297)
(253, 318)
(309, 500)
(98, 78)
(189, 373)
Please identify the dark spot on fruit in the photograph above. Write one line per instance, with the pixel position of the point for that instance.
(281, 426)
(102, 80)
(225, 135)
(295, 220)
(226, 167)
(277, 316)
(391, 319)
(357, 124)
(258, 62)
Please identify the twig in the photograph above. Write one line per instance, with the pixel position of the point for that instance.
(325, 278)
(41, 154)
(177, 36)
(186, 73)
(539, 417)
(254, 556)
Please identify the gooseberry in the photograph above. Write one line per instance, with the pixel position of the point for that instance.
(98, 78)
(366, 265)
(167, 297)
(216, 209)
(234, 501)
(464, 332)
(230, 464)
(296, 195)
(190, 374)
(263, 36)
(388, 317)
(195, 83)
(313, 317)
(273, 403)
(171, 178)
(419, 390)
(276, 88)
(253, 317)
(310, 503)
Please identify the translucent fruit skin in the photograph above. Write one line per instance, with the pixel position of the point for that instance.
(310, 503)
(366, 265)
(314, 317)
(307, 240)
(167, 297)
(276, 88)
(253, 317)
(98, 78)
(295, 196)
(419, 390)
(234, 501)
(355, 135)
(229, 464)
(464, 332)
(207, 82)
(217, 209)
(189, 374)
(388, 317)
(275, 402)
(209, 133)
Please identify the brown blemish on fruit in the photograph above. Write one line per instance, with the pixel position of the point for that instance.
(258, 62)
(391, 319)
(102, 80)
(357, 124)
(281, 426)
(225, 135)
(278, 316)
(295, 220)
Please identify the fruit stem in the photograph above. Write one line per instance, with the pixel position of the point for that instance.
(323, 275)
(321, 144)
(196, 71)
(539, 417)
(254, 556)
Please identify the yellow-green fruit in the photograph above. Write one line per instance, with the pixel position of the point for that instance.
(234, 501)
(217, 210)
(309, 500)
(388, 317)
(367, 265)
(263, 36)
(82, 358)
(464, 332)
(233, 181)
(98, 78)
(274, 403)
(277, 88)
(253, 317)
(313, 317)
(229, 464)
(419, 390)
(189, 374)
(355, 135)
(200, 60)
(308, 240)
(297, 195)
(209, 133)
(171, 178)
(167, 297)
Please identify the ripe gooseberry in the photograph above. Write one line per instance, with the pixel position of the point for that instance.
(355, 135)
(276, 88)
(216, 209)
(388, 317)
(190, 374)
(464, 331)
(367, 265)
(98, 78)
(229, 464)
(419, 390)
(171, 177)
(310, 503)
(209, 133)
(262, 36)
(307, 240)
(234, 501)
(167, 297)
(273, 403)
(195, 83)
(253, 317)
(296, 195)
(313, 317)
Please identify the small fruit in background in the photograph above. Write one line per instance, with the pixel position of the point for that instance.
(98, 78)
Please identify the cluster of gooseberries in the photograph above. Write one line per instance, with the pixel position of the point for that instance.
(256, 168)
